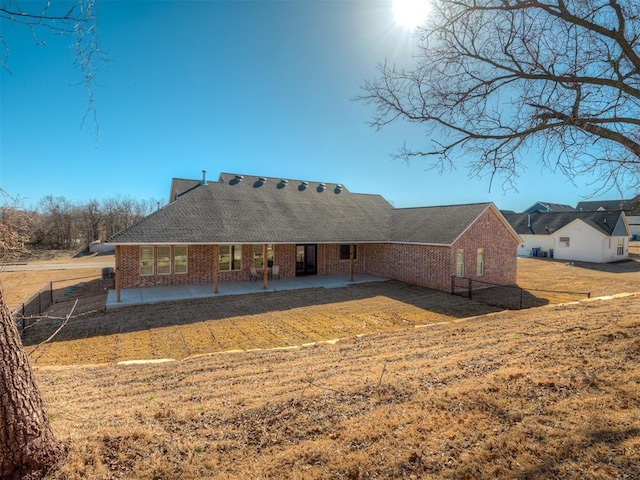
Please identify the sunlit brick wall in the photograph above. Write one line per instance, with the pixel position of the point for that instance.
(199, 268)
(500, 250)
(285, 258)
(329, 262)
(428, 266)
(433, 266)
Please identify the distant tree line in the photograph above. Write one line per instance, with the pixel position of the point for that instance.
(60, 224)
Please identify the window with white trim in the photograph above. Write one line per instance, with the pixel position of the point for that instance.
(146, 260)
(180, 259)
(565, 241)
(620, 250)
(229, 257)
(460, 263)
(163, 255)
(480, 262)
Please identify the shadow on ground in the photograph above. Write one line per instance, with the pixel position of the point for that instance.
(632, 265)
(437, 305)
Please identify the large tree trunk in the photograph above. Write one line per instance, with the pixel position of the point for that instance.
(28, 448)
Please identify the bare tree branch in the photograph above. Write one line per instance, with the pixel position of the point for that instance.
(496, 78)
(52, 336)
(79, 22)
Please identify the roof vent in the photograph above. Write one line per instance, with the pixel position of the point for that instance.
(260, 182)
(204, 177)
(303, 186)
(283, 183)
(236, 180)
(321, 187)
(338, 188)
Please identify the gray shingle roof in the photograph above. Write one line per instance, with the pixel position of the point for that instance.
(627, 205)
(180, 186)
(250, 209)
(549, 207)
(546, 223)
(434, 225)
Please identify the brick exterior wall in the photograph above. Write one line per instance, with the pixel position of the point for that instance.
(433, 266)
(329, 262)
(285, 257)
(500, 251)
(200, 267)
(424, 265)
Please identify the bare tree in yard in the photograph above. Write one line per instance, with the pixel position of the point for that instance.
(58, 222)
(15, 228)
(89, 220)
(121, 212)
(497, 78)
(28, 448)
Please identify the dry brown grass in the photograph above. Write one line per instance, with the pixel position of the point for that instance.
(19, 286)
(551, 392)
(279, 319)
(275, 319)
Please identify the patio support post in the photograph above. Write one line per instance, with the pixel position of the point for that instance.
(216, 267)
(118, 273)
(265, 266)
(351, 262)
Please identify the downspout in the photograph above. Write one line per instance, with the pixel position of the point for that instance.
(351, 262)
(216, 267)
(118, 274)
(265, 266)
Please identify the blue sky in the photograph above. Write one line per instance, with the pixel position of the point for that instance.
(252, 87)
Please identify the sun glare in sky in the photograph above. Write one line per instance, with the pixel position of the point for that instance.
(410, 13)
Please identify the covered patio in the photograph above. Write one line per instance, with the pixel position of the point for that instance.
(146, 295)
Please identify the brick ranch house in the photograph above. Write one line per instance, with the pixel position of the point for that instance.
(221, 231)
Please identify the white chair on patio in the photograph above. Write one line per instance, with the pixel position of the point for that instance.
(275, 271)
(254, 273)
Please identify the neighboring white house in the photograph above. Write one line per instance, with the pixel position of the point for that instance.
(630, 207)
(598, 237)
(634, 224)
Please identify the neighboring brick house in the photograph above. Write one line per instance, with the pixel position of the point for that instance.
(220, 231)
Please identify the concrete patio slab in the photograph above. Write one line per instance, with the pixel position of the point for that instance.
(141, 296)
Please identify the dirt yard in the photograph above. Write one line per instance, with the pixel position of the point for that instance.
(179, 330)
(551, 392)
(413, 389)
(19, 287)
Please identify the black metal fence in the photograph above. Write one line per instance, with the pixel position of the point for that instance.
(511, 297)
(39, 302)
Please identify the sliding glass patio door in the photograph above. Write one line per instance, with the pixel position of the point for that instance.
(306, 260)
